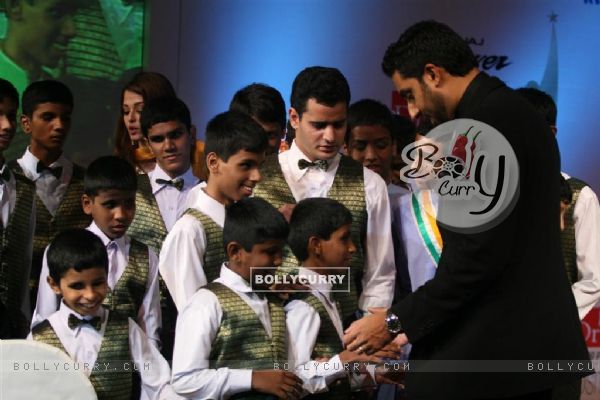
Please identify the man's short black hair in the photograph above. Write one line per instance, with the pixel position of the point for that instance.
(318, 217)
(326, 85)
(542, 102)
(233, 131)
(253, 221)
(428, 42)
(164, 109)
(47, 91)
(79, 249)
(109, 172)
(368, 112)
(8, 91)
(262, 102)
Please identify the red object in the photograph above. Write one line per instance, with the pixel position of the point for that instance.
(460, 146)
(473, 145)
(591, 328)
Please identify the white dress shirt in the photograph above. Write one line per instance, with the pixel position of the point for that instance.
(181, 261)
(171, 202)
(586, 218)
(149, 316)
(303, 324)
(49, 189)
(380, 273)
(83, 343)
(197, 327)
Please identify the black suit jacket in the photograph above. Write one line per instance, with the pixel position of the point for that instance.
(501, 294)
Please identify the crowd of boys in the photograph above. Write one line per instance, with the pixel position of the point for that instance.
(101, 262)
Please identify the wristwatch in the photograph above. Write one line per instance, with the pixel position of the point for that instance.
(393, 324)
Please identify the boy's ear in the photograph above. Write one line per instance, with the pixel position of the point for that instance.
(25, 123)
(314, 246)
(86, 204)
(54, 285)
(294, 118)
(345, 150)
(212, 163)
(234, 250)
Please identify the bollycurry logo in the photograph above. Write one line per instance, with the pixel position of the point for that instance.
(270, 280)
(470, 172)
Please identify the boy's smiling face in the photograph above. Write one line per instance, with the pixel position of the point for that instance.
(237, 176)
(261, 260)
(83, 292)
(171, 142)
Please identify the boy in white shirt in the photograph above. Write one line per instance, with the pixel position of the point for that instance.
(230, 337)
(92, 335)
(110, 185)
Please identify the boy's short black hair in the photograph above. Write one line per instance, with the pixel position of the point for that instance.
(428, 42)
(164, 109)
(327, 86)
(404, 132)
(79, 249)
(233, 131)
(542, 102)
(109, 172)
(8, 91)
(368, 112)
(47, 91)
(318, 217)
(262, 102)
(253, 221)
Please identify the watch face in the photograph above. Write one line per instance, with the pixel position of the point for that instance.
(393, 323)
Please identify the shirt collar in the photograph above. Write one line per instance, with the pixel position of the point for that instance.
(121, 242)
(321, 287)
(30, 163)
(188, 177)
(64, 312)
(198, 199)
(294, 154)
(233, 280)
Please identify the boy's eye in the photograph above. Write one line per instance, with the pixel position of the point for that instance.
(339, 124)
(382, 144)
(109, 204)
(76, 286)
(319, 125)
(360, 146)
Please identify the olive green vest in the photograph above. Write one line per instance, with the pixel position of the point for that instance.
(349, 189)
(128, 294)
(327, 345)
(68, 215)
(15, 242)
(214, 254)
(148, 225)
(114, 350)
(242, 341)
(568, 234)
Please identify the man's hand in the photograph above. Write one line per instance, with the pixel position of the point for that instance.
(391, 351)
(286, 210)
(283, 384)
(369, 334)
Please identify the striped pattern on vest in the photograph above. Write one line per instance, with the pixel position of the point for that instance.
(349, 189)
(128, 294)
(14, 246)
(148, 225)
(214, 254)
(568, 234)
(113, 351)
(242, 341)
(68, 215)
(328, 344)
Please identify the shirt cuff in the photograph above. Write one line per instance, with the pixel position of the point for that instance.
(239, 380)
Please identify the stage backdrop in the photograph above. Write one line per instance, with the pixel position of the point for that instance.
(211, 48)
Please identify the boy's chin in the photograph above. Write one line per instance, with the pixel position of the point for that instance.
(85, 311)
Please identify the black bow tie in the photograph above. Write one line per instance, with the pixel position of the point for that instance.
(321, 164)
(56, 171)
(176, 183)
(74, 322)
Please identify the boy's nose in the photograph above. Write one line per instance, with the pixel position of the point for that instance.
(5, 123)
(370, 153)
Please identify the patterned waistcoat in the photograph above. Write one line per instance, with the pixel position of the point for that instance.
(69, 214)
(128, 294)
(113, 351)
(14, 247)
(349, 189)
(328, 344)
(214, 254)
(568, 234)
(242, 341)
(148, 225)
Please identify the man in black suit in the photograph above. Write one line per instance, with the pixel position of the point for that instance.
(500, 294)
